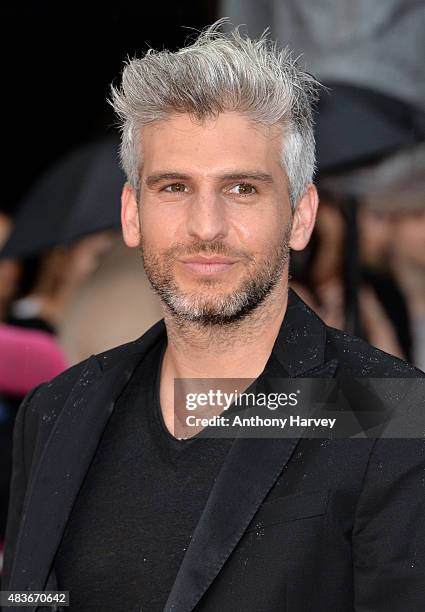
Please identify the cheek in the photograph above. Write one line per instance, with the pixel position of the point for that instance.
(260, 230)
(160, 226)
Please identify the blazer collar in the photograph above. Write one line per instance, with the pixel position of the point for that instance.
(300, 344)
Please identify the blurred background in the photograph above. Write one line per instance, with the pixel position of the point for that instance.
(68, 286)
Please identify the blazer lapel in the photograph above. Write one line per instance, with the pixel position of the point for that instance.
(65, 460)
(251, 467)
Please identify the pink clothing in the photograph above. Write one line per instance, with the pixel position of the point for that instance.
(28, 357)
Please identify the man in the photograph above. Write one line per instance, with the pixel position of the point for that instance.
(107, 502)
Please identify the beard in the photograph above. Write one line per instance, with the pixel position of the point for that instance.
(208, 306)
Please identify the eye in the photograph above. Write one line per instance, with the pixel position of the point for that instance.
(243, 189)
(175, 188)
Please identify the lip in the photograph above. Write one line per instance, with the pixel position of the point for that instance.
(208, 260)
(208, 265)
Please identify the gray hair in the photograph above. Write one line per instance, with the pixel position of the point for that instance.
(221, 72)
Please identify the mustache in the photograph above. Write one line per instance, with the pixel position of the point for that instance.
(206, 248)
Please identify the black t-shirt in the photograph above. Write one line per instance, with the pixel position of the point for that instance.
(138, 506)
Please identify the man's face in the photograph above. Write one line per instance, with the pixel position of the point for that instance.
(215, 218)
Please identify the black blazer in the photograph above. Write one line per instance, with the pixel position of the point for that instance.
(290, 525)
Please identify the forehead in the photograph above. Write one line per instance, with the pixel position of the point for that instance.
(230, 140)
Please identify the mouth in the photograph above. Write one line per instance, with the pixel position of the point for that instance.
(208, 265)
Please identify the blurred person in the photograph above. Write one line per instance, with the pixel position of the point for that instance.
(404, 203)
(320, 281)
(391, 218)
(114, 305)
(60, 273)
(108, 501)
(408, 263)
(375, 239)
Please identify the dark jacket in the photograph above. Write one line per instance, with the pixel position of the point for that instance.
(290, 525)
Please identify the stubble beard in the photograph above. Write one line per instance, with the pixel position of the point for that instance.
(203, 306)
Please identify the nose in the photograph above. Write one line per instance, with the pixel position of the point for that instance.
(207, 218)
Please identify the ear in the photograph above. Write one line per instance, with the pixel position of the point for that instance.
(304, 218)
(130, 220)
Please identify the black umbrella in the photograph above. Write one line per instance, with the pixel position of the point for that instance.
(356, 126)
(97, 207)
(78, 196)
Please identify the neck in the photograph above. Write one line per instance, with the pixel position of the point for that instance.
(236, 350)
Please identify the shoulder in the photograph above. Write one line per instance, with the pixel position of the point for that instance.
(60, 386)
(360, 358)
(42, 406)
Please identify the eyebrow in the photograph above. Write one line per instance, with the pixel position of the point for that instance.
(158, 177)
